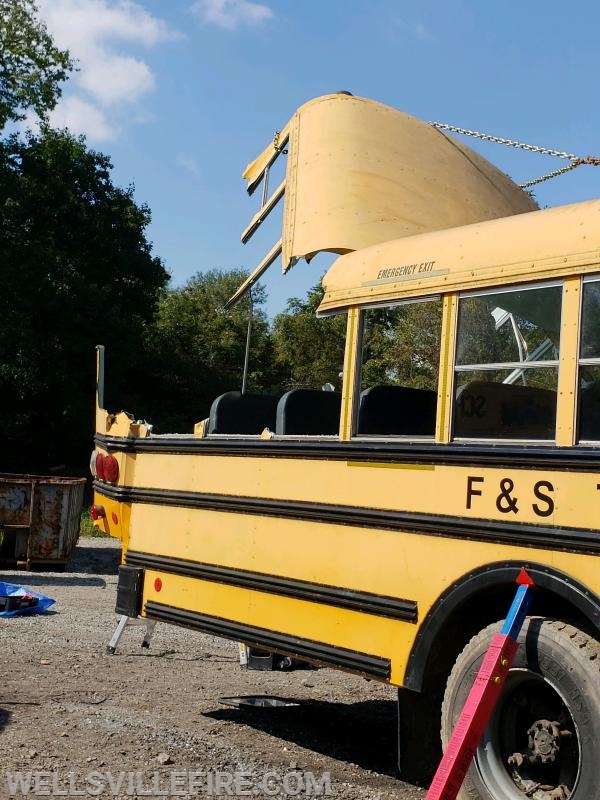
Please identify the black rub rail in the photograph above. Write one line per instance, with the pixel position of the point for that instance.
(318, 652)
(353, 600)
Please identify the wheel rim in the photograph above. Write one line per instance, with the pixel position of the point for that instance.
(528, 699)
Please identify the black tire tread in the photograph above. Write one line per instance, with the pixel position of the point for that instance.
(588, 649)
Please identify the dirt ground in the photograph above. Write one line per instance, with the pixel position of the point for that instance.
(68, 706)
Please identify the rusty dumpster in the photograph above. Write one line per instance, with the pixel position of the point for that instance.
(39, 519)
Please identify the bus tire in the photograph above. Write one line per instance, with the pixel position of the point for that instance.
(555, 678)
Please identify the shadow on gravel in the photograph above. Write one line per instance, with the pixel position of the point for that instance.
(363, 733)
(96, 560)
(27, 579)
(4, 718)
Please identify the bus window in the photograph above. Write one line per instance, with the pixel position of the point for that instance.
(399, 369)
(589, 363)
(506, 369)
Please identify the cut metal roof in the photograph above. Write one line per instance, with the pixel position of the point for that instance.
(359, 172)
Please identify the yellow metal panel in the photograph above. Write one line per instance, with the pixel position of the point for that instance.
(350, 388)
(361, 559)
(255, 169)
(117, 520)
(356, 558)
(360, 172)
(121, 424)
(542, 244)
(335, 555)
(263, 212)
(446, 370)
(567, 374)
(576, 499)
(352, 630)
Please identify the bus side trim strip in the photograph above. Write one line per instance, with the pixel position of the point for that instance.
(519, 534)
(480, 454)
(363, 602)
(320, 652)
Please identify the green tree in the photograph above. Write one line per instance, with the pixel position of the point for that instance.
(199, 348)
(309, 350)
(401, 345)
(77, 270)
(31, 67)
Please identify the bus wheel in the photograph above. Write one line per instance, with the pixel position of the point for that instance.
(543, 739)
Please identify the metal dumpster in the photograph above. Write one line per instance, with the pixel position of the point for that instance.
(39, 519)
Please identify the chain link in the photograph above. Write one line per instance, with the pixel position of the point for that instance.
(554, 174)
(576, 161)
(532, 148)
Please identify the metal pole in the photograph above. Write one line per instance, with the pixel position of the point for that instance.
(248, 337)
(265, 192)
(100, 375)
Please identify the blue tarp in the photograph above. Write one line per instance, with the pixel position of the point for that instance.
(14, 590)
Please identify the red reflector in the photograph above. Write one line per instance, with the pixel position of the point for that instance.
(524, 578)
(115, 519)
(96, 512)
(111, 469)
(158, 584)
(100, 467)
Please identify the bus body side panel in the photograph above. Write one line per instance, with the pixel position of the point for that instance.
(321, 552)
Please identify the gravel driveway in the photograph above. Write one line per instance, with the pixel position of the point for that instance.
(67, 706)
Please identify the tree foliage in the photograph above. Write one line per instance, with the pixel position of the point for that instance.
(31, 66)
(402, 345)
(309, 350)
(76, 270)
(199, 348)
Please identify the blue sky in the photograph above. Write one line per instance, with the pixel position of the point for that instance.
(182, 94)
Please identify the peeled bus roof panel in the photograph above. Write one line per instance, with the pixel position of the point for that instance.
(360, 173)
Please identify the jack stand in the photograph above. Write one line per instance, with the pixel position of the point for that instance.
(122, 624)
(482, 698)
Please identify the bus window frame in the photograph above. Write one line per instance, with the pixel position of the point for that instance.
(358, 364)
(549, 364)
(583, 362)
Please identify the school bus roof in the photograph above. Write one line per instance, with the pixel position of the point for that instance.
(359, 172)
(531, 246)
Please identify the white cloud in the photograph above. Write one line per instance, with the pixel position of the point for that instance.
(80, 116)
(231, 13)
(109, 82)
(83, 23)
(119, 79)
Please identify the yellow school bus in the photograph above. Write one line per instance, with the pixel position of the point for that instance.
(380, 529)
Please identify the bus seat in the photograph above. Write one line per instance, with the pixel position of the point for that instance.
(309, 412)
(504, 411)
(589, 413)
(234, 412)
(396, 411)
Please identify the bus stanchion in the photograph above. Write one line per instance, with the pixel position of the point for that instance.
(480, 703)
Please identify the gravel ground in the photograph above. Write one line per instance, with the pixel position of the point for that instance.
(67, 706)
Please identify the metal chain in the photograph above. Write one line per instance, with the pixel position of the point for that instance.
(554, 174)
(532, 148)
(576, 161)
